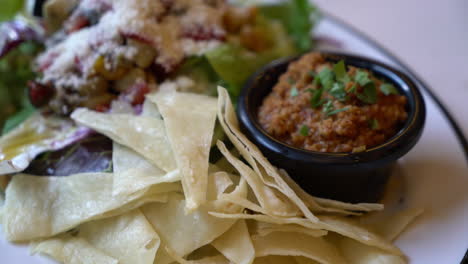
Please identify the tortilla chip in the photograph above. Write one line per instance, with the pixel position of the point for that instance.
(266, 172)
(358, 253)
(38, 207)
(352, 229)
(219, 259)
(132, 172)
(273, 202)
(270, 219)
(143, 134)
(264, 229)
(326, 205)
(303, 260)
(189, 121)
(294, 244)
(183, 232)
(275, 260)
(35, 135)
(128, 238)
(236, 245)
(72, 250)
(391, 225)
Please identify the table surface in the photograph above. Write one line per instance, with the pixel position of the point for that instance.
(430, 36)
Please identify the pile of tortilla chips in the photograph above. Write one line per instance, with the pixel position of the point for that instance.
(165, 203)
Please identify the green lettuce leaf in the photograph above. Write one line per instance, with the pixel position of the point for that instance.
(10, 8)
(15, 72)
(298, 17)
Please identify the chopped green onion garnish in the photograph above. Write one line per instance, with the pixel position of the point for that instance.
(316, 100)
(328, 107)
(388, 88)
(340, 72)
(338, 91)
(326, 78)
(353, 89)
(369, 94)
(334, 112)
(294, 92)
(362, 77)
(304, 131)
(374, 124)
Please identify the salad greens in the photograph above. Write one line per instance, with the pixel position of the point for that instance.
(15, 72)
(10, 8)
(287, 25)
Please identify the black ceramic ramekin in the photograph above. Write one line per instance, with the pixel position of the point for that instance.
(350, 177)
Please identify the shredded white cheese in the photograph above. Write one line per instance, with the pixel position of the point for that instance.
(145, 19)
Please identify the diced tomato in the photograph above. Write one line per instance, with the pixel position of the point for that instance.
(39, 94)
(102, 107)
(45, 63)
(135, 95)
(78, 22)
(201, 32)
(137, 37)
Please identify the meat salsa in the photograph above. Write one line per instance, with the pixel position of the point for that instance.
(323, 106)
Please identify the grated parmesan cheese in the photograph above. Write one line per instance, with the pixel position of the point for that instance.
(146, 20)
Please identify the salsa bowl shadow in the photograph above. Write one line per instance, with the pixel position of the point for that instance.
(349, 177)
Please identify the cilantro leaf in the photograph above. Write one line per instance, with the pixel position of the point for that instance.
(340, 72)
(374, 124)
(362, 77)
(334, 112)
(388, 88)
(326, 78)
(293, 92)
(304, 130)
(328, 107)
(369, 94)
(316, 99)
(338, 91)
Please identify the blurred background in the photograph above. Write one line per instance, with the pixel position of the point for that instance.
(430, 36)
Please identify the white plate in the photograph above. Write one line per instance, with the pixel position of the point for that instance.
(435, 174)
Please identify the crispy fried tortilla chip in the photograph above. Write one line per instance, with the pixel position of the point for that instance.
(72, 250)
(183, 232)
(145, 135)
(327, 205)
(128, 238)
(351, 229)
(284, 260)
(235, 244)
(265, 171)
(270, 219)
(190, 121)
(219, 259)
(358, 253)
(132, 172)
(34, 136)
(294, 244)
(38, 207)
(264, 229)
(390, 225)
(272, 201)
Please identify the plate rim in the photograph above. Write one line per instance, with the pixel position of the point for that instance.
(462, 139)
